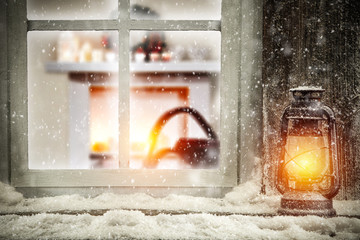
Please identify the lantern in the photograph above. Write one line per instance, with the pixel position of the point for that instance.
(308, 167)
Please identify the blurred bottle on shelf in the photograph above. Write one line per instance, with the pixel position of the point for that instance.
(109, 51)
(85, 54)
(139, 55)
(68, 47)
(97, 55)
(153, 46)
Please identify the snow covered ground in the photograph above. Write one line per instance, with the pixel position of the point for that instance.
(134, 224)
(121, 222)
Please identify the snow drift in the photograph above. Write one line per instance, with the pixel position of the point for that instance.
(123, 217)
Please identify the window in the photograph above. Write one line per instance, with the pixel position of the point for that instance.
(85, 120)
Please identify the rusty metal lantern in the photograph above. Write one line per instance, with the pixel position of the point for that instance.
(308, 167)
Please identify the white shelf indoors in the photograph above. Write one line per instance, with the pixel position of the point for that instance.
(186, 66)
(64, 67)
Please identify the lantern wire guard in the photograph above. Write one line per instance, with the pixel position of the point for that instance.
(308, 167)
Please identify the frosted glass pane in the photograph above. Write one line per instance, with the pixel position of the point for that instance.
(72, 10)
(73, 103)
(176, 10)
(174, 70)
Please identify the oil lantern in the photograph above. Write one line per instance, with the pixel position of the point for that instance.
(308, 167)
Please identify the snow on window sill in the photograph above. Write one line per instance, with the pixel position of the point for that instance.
(244, 199)
(171, 217)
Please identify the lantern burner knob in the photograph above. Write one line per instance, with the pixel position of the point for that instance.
(307, 93)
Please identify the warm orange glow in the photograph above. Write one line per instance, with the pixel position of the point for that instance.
(103, 119)
(148, 103)
(100, 147)
(306, 159)
(306, 166)
(139, 134)
(140, 142)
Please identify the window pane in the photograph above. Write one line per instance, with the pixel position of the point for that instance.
(174, 99)
(73, 100)
(176, 10)
(71, 10)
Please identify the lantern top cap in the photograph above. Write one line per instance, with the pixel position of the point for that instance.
(307, 89)
(307, 93)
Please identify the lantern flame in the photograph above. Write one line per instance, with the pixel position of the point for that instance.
(306, 164)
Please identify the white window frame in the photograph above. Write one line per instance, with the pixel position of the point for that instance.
(226, 175)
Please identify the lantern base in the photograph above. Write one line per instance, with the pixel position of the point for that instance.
(306, 203)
